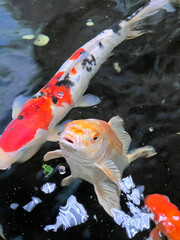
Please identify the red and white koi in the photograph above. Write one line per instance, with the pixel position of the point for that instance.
(166, 217)
(34, 121)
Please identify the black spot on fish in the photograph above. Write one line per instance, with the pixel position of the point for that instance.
(81, 52)
(93, 61)
(36, 107)
(88, 63)
(11, 129)
(54, 99)
(20, 117)
(66, 82)
(101, 45)
(115, 27)
(41, 94)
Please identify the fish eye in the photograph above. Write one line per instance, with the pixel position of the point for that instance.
(95, 137)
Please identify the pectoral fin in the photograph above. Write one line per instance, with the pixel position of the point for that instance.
(54, 136)
(1, 232)
(67, 181)
(111, 170)
(156, 234)
(108, 196)
(146, 151)
(52, 154)
(87, 101)
(116, 124)
(17, 105)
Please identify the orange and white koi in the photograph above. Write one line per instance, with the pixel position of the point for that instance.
(166, 217)
(96, 151)
(34, 121)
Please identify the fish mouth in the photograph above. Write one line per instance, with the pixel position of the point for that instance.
(69, 142)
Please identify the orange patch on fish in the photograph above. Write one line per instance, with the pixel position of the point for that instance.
(58, 91)
(77, 131)
(53, 80)
(36, 114)
(73, 71)
(166, 216)
(77, 54)
(85, 143)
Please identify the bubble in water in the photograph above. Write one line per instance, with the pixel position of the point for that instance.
(151, 129)
(62, 169)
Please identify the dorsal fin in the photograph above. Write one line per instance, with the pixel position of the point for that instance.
(17, 105)
(116, 124)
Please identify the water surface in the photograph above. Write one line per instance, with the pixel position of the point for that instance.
(146, 94)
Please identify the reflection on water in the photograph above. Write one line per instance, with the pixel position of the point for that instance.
(48, 187)
(17, 65)
(71, 215)
(31, 205)
(145, 92)
(139, 220)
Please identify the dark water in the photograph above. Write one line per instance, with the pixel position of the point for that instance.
(146, 94)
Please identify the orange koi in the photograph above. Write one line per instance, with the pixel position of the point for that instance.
(166, 217)
(97, 152)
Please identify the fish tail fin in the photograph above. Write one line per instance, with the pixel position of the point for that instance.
(147, 151)
(136, 27)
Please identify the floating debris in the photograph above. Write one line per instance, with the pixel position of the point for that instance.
(178, 133)
(89, 23)
(117, 67)
(48, 187)
(31, 205)
(28, 36)
(163, 101)
(47, 170)
(41, 40)
(62, 169)
(72, 214)
(14, 206)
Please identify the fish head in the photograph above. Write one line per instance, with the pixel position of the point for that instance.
(6, 159)
(155, 203)
(83, 137)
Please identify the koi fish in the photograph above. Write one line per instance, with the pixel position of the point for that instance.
(166, 217)
(96, 151)
(34, 122)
